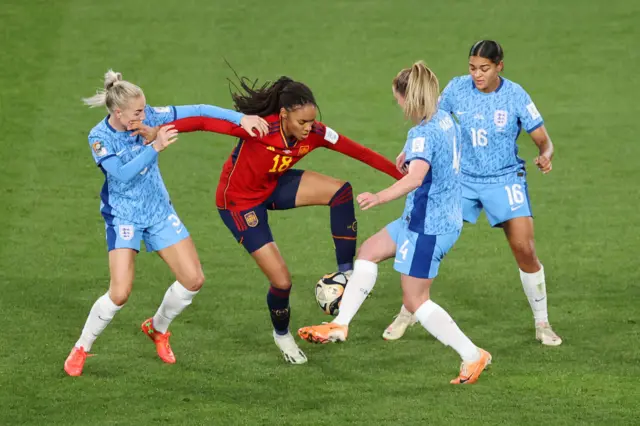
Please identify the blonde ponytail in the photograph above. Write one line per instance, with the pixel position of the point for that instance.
(420, 88)
(116, 93)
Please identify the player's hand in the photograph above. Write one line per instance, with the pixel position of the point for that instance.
(544, 163)
(400, 163)
(166, 136)
(148, 133)
(251, 122)
(366, 200)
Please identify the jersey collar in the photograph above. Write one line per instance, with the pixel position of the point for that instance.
(110, 127)
(106, 121)
(284, 138)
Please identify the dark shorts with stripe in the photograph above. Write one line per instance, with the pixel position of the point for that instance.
(250, 227)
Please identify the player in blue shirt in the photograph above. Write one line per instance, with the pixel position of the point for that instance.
(492, 111)
(135, 206)
(426, 231)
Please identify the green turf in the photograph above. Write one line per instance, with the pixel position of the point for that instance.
(578, 59)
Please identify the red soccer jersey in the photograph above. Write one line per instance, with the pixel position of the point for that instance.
(251, 172)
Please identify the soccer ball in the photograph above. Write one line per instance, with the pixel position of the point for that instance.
(329, 292)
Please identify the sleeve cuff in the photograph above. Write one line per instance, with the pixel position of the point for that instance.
(410, 159)
(535, 127)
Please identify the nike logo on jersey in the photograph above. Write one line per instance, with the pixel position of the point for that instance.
(461, 112)
(179, 230)
(120, 152)
(398, 261)
(514, 208)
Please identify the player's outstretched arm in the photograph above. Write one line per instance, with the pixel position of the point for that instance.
(418, 169)
(346, 146)
(545, 146)
(192, 124)
(247, 122)
(204, 124)
(211, 111)
(125, 172)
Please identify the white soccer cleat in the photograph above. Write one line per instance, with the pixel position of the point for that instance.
(546, 335)
(397, 328)
(290, 350)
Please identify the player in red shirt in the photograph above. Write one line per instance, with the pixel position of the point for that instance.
(259, 176)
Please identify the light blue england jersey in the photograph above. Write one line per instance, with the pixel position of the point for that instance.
(435, 207)
(144, 200)
(491, 123)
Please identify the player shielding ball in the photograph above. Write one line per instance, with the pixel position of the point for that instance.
(259, 176)
(492, 111)
(428, 228)
(135, 206)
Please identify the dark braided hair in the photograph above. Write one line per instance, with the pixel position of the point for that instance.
(488, 49)
(270, 97)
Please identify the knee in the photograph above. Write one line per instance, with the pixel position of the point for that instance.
(282, 283)
(193, 281)
(343, 193)
(119, 295)
(525, 254)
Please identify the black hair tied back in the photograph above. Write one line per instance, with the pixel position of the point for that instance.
(270, 97)
(488, 49)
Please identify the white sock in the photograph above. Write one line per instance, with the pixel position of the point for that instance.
(438, 322)
(360, 284)
(101, 314)
(175, 300)
(536, 290)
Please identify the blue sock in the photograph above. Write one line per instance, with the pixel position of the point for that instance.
(344, 227)
(278, 302)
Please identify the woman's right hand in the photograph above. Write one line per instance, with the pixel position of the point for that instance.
(166, 136)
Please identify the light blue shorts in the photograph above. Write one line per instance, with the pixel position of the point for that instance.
(124, 234)
(419, 255)
(501, 201)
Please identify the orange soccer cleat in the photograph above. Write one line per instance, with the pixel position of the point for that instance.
(75, 361)
(470, 371)
(325, 333)
(161, 340)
